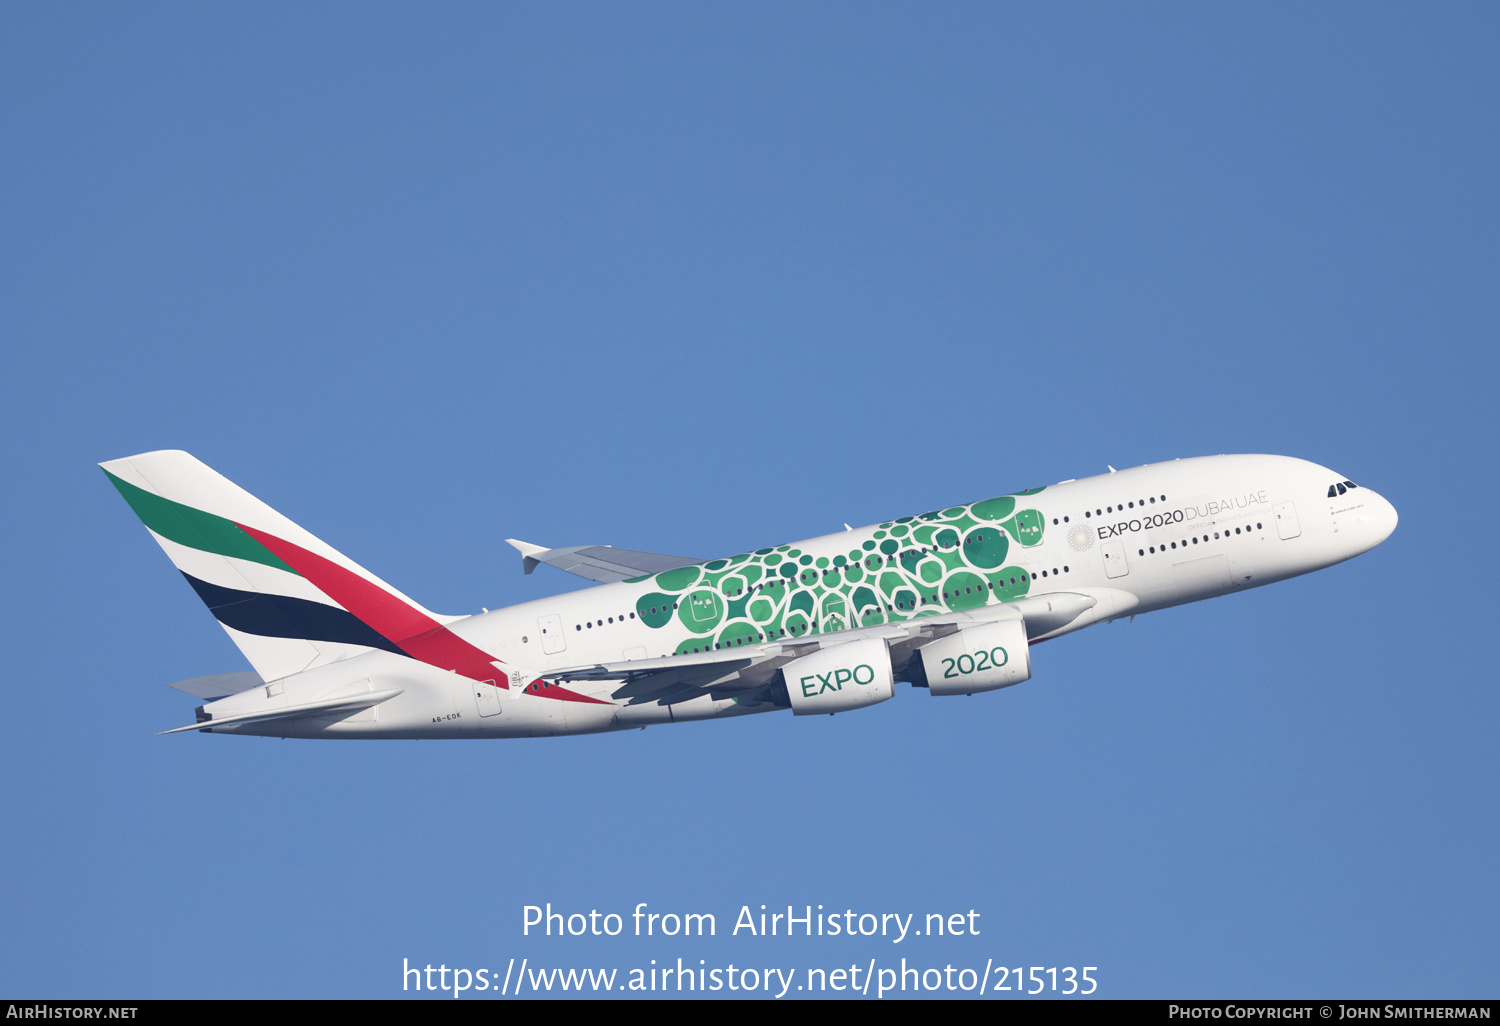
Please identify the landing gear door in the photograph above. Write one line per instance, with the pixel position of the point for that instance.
(1114, 558)
(551, 630)
(1286, 521)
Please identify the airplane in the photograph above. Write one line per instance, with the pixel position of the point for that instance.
(949, 601)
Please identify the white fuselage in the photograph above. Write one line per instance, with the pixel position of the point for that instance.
(1134, 541)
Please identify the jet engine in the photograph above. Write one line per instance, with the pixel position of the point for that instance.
(979, 658)
(839, 678)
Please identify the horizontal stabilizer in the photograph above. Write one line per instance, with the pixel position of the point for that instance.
(348, 703)
(219, 685)
(603, 563)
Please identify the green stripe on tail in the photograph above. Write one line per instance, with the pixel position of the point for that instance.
(195, 528)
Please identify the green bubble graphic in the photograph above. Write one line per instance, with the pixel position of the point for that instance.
(977, 594)
(986, 547)
(700, 611)
(994, 509)
(1005, 591)
(1025, 527)
(655, 609)
(746, 633)
(677, 580)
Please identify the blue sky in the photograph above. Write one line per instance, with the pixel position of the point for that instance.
(700, 278)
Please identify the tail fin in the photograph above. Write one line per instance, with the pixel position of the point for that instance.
(288, 600)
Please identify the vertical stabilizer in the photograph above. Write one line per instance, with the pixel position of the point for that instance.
(288, 600)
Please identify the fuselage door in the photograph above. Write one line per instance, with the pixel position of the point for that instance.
(1114, 558)
(551, 630)
(486, 697)
(1286, 520)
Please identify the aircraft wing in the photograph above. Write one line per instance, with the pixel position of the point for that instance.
(603, 563)
(743, 669)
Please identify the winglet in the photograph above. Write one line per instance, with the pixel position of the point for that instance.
(528, 552)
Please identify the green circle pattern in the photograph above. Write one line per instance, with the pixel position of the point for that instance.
(782, 592)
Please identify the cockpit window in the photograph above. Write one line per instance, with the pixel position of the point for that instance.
(1333, 491)
(1342, 489)
(1351, 484)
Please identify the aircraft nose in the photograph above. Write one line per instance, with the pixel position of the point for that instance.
(1380, 516)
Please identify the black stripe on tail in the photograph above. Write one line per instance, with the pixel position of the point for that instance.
(278, 616)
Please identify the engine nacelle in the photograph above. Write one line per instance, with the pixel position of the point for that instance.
(843, 677)
(979, 658)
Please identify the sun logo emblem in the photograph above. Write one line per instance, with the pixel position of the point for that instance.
(1081, 538)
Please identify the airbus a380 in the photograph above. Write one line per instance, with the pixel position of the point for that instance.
(949, 600)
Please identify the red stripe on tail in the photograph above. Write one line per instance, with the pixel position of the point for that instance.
(411, 630)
